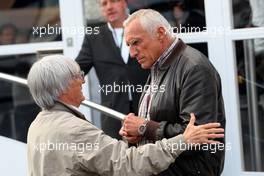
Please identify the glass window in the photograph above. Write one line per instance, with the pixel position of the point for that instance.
(201, 47)
(185, 16)
(17, 108)
(248, 13)
(29, 21)
(250, 80)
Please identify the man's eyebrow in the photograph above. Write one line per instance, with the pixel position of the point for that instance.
(132, 41)
(129, 42)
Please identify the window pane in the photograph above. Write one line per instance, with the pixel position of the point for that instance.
(187, 16)
(17, 108)
(181, 14)
(29, 21)
(201, 47)
(248, 13)
(250, 76)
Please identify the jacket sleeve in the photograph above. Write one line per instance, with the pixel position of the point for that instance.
(113, 157)
(85, 56)
(199, 91)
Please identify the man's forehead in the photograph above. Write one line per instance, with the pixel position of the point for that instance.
(131, 32)
(134, 28)
(100, 1)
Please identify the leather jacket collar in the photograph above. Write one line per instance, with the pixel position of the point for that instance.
(176, 52)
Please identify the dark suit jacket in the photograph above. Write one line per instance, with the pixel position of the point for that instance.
(100, 51)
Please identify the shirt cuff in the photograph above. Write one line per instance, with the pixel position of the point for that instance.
(151, 129)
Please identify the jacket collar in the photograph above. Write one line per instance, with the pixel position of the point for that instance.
(110, 39)
(60, 106)
(174, 55)
(163, 66)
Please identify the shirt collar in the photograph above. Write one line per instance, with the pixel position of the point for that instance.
(166, 53)
(111, 28)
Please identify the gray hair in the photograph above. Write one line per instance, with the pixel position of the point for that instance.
(49, 77)
(150, 20)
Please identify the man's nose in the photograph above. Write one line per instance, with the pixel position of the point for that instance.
(109, 5)
(83, 80)
(133, 52)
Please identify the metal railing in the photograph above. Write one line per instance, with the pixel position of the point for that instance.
(105, 110)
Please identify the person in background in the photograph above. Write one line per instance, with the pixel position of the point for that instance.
(109, 55)
(8, 34)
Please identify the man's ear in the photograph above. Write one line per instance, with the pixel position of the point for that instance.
(63, 95)
(65, 91)
(161, 33)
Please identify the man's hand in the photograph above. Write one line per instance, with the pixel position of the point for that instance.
(130, 139)
(129, 130)
(202, 133)
(131, 124)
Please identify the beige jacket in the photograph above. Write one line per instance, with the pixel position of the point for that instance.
(62, 143)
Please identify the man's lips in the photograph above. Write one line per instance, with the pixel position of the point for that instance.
(140, 60)
(111, 13)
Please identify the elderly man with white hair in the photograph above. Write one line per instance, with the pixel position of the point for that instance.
(182, 81)
(62, 142)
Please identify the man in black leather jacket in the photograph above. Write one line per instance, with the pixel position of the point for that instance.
(182, 81)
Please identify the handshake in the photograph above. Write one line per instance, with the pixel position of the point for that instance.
(134, 128)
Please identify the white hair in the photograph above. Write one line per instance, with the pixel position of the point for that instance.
(49, 77)
(150, 20)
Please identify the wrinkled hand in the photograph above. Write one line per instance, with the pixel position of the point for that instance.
(202, 133)
(130, 139)
(129, 130)
(131, 124)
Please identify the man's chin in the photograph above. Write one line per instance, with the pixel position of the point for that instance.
(83, 99)
(143, 66)
(112, 19)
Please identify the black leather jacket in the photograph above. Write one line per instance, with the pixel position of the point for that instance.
(191, 85)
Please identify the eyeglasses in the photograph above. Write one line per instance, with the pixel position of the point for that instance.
(81, 75)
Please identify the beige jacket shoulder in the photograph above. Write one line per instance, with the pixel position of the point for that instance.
(60, 143)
